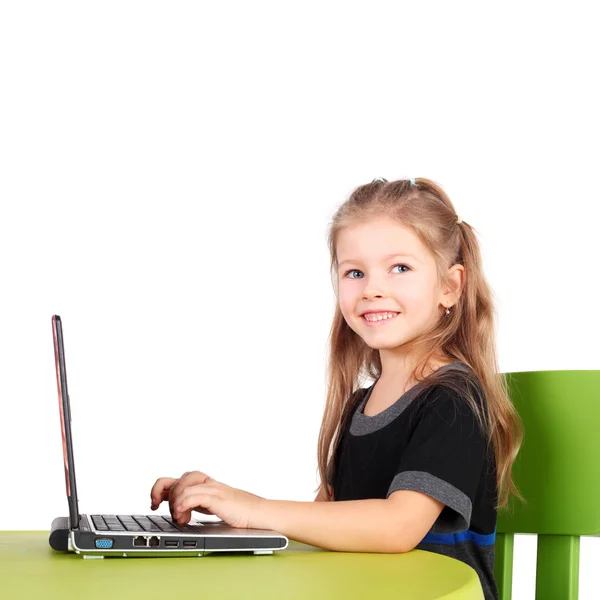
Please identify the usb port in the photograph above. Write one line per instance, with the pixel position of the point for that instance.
(171, 544)
(189, 544)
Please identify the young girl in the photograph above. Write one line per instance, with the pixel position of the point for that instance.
(422, 457)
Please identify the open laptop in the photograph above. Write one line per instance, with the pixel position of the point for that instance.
(97, 536)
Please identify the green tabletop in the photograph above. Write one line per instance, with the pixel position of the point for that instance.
(29, 568)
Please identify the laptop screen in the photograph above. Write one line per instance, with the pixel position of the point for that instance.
(65, 421)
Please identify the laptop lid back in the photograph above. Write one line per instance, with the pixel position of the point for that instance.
(65, 421)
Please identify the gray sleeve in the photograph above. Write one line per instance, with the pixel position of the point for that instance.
(445, 459)
(455, 516)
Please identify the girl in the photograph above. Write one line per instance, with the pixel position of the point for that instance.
(422, 457)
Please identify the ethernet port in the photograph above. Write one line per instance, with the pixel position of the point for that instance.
(140, 541)
(153, 542)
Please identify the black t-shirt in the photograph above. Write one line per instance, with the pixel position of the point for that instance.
(429, 441)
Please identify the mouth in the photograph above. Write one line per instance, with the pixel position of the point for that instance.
(380, 321)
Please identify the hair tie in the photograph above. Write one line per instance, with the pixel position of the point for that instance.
(379, 179)
(412, 181)
(458, 220)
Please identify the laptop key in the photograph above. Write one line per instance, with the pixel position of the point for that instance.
(98, 521)
(147, 524)
(110, 519)
(186, 527)
(129, 523)
(140, 518)
(165, 526)
(114, 525)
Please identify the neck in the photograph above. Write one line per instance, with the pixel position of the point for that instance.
(398, 369)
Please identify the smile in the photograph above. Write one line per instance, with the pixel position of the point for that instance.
(379, 320)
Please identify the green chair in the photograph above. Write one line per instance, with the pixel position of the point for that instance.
(558, 473)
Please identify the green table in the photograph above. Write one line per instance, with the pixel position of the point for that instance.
(29, 568)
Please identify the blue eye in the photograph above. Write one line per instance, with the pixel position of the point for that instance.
(352, 271)
(358, 271)
(406, 266)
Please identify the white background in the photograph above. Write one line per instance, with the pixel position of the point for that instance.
(167, 174)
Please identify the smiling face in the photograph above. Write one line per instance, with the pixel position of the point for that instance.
(383, 266)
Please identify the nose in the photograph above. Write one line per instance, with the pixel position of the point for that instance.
(372, 296)
(373, 289)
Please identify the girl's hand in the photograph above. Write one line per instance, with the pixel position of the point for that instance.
(161, 491)
(197, 491)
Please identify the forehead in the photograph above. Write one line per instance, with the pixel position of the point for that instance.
(372, 240)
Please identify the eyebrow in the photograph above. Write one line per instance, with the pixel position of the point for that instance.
(384, 259)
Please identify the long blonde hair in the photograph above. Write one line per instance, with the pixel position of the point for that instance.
(466, 335)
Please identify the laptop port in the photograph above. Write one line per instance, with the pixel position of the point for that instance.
(140, 541)
(153, 542)
(171, 544)
(103, 543)
(189, 544)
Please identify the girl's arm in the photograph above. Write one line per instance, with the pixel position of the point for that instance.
(396, 524)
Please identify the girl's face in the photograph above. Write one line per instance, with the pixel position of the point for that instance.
(383, 266)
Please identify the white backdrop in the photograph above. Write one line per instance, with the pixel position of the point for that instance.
(167, 174)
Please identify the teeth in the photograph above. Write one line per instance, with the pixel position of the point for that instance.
(380, 317)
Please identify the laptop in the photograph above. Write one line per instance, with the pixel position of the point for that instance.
(103, 535)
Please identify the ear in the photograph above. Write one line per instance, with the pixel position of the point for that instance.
(456, 275)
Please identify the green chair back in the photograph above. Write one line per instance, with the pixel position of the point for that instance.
(558, 473)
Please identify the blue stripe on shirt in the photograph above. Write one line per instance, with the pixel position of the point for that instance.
(451, 539)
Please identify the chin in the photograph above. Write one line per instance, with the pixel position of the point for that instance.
(383, 344)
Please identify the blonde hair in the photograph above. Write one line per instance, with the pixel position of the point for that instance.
(466, 335)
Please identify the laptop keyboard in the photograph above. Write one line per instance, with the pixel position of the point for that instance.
(154, 523)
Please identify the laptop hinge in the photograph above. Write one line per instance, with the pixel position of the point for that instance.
(75, 527)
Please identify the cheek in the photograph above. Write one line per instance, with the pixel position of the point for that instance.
(346, 299)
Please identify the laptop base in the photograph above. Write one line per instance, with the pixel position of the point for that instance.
(59, 534)
(63, 539)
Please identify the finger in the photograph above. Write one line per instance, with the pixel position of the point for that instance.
(188, 479)
(199, 509)
(160, 490)
(193, 478)
(183, 518)
(172, 498)
(175, 492)
(194, 498)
